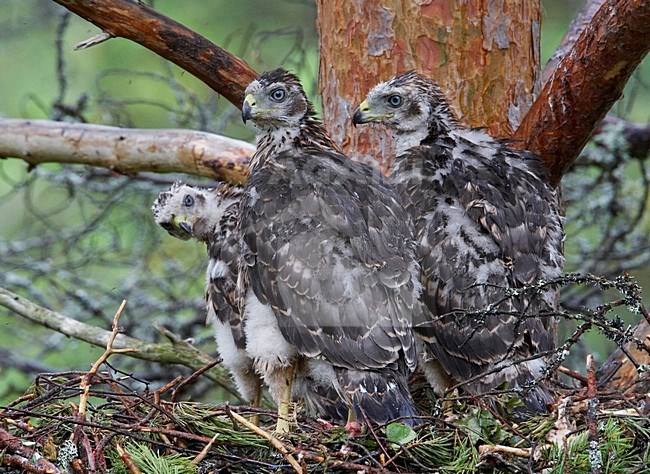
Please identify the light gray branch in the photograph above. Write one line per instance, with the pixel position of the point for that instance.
(175, 351)
(126, 150)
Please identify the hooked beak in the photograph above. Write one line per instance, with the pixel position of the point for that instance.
(186, 227)
(183, 224)
(247, 107)
(363, 114)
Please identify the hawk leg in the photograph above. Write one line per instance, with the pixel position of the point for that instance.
(285, 401)
(257, 402)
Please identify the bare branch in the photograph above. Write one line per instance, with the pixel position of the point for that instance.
(585, 84)
(15, 453)
(174, 352)
(86, 380)
(223, 72)
(577, 26)
(275, 442)
(126, 150)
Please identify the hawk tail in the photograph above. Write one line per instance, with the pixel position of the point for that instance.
(534, 391)
(326, 402)
(538, 398)
(381, 397)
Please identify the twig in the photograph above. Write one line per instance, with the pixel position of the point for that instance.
(19, 400)
(97, 39)
(634, 292)
(595, 456)
(276, 443)
(127, 460)
(87, 379)
(573, 374)
(194, 376)
(388, 458)
(199, 457)
(498, 448)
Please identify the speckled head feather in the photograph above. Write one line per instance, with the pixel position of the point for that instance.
(191, 212)
(412, 105)
(278, 106)
(280, 77)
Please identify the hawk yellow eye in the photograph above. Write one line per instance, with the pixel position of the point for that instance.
(278, 95)
(188, 200)
(395, 100)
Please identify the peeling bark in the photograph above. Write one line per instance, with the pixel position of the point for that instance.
(126, 150)
(223, 72)
(585, 84)
(485, 55)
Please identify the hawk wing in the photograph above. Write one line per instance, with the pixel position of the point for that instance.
(332, 257)
(484, 224)
(223, 269)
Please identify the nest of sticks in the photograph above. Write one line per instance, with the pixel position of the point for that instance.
(95, 422)
(104, 420)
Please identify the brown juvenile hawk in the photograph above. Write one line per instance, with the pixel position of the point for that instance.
(486, 222)
(211, 216)
(329, 258)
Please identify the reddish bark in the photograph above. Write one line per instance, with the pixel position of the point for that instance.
(485, 55)
(223, 72)
(585, 84)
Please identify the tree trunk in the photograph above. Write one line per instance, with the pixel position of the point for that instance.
(485, 55)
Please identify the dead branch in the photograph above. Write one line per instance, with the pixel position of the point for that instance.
(626, 369)
(126, 150)
(14, 453)
(127, 460)
(585, 84)
(637, 136)
(223, 72)
(595, 456)
(620, 373)
(199, 457)
(275, 442)
(497, 448)
(173, 352)
(86, 380)
(577, 26)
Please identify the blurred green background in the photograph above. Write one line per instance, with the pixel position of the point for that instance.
(121, 83)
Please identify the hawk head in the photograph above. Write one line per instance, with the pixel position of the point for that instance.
(411, 105)
(188, 212)
(276, 100)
